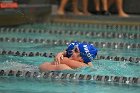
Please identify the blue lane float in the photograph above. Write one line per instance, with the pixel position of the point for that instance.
(70, 76)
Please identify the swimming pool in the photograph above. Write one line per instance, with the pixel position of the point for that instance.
(116, 68)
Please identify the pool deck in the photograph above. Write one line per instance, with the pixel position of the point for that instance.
(17, 19)
(133, 19)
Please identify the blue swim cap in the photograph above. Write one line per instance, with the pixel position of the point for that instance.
(71, 46)
(87, 51)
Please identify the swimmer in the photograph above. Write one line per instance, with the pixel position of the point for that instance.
(77, 55)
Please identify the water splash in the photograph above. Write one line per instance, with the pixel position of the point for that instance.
(17, 65)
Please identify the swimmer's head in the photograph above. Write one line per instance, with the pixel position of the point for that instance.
(70, 47)
(87, 51)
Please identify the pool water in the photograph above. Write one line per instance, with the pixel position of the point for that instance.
(56, 86)
(101, 66)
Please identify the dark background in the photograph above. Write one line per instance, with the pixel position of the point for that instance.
(28, 13)
(130, 6)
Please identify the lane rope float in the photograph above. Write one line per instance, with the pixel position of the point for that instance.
(51, 55)
(71, 76)
(104, 34)
(64, 42)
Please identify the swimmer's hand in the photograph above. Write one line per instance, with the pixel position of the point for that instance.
(58, 58)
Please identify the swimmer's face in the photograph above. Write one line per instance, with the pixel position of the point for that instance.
(76, 55)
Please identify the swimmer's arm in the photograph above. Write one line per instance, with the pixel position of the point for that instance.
(72, 63)
(61, 53)
(59, 57)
